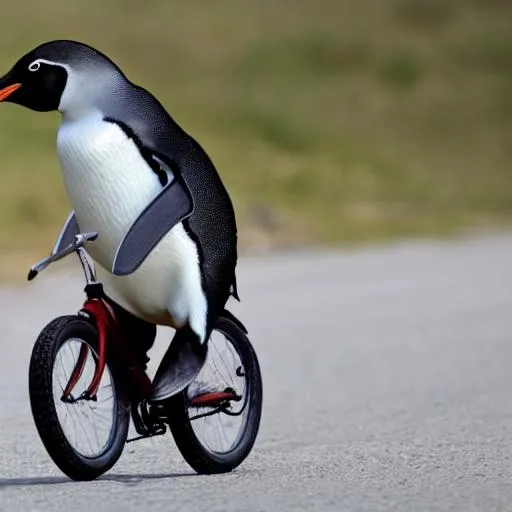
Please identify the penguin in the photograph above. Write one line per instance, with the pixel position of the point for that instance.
(166, 250)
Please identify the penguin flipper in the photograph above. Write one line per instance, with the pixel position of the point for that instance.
(67, 235)
(171, 206)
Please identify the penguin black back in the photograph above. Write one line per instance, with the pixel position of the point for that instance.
(212, 225)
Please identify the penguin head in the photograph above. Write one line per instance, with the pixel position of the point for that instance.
(61, 75)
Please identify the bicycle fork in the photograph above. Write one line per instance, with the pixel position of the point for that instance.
(109, 339)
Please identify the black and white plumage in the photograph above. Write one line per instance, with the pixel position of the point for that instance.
(167, 245)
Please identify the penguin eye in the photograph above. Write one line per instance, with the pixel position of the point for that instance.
(34, 66)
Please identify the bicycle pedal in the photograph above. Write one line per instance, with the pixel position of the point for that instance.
(157, 430)
(158, 412)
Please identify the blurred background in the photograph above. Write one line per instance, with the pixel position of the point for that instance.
(330, 121)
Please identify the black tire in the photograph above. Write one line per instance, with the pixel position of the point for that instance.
(201, 459)
(44, 353)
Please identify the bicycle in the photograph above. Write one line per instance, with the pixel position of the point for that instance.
(82, 375)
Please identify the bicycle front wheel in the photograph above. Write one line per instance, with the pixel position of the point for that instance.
(84, 437)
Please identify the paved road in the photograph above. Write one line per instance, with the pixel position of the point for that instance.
(388, 386)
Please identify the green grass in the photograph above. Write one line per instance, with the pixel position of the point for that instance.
(330, 121)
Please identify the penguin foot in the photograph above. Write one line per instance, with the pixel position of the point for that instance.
(180, 365)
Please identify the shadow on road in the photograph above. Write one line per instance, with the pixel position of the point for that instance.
(119, 478)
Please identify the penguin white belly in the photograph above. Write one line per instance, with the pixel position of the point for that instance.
(109, 184)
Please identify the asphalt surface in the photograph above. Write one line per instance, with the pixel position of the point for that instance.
(388, 386)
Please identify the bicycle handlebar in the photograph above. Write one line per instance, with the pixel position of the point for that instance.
(79, 241)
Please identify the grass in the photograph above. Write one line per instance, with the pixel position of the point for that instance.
(330, 121)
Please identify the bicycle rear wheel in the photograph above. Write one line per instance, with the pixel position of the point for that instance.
(84, 437)
(215, 421)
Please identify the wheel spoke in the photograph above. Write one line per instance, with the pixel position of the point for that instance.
(221, 428)
(106, 421)
(104, 399)
(223, 364)
(101, 415)
(95, 429)
(84, 430)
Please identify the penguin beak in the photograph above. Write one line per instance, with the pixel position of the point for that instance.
(6, 91)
